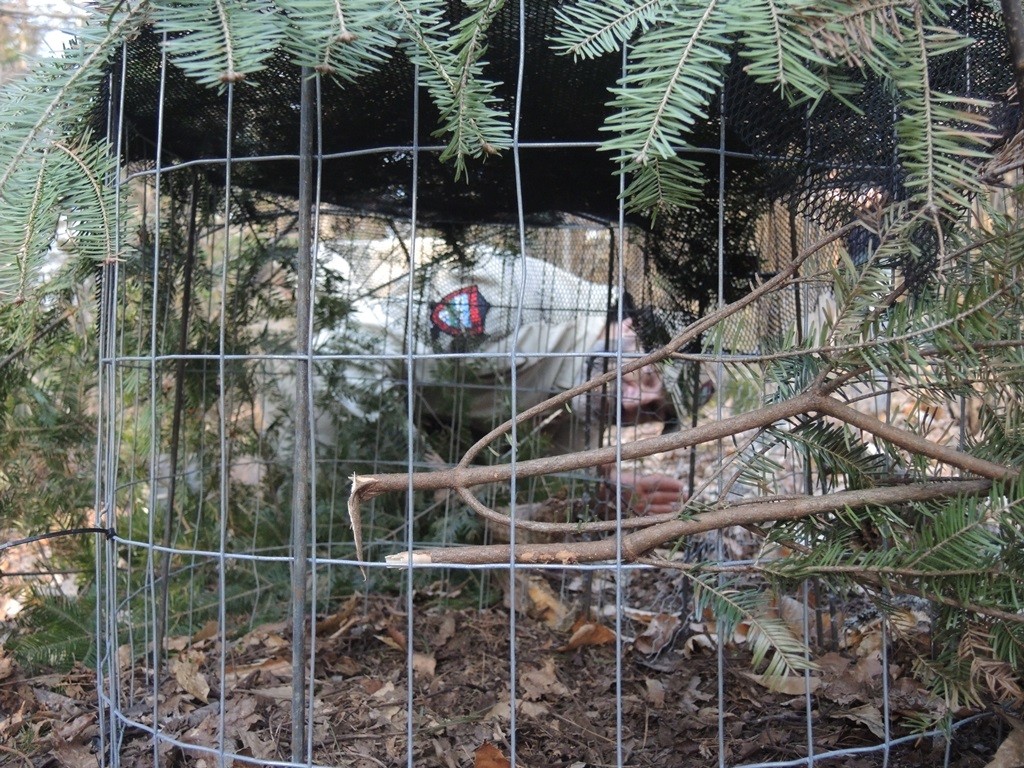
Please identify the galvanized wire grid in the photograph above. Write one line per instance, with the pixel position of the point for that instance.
(137, 467)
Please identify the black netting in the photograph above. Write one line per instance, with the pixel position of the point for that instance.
(799, 151)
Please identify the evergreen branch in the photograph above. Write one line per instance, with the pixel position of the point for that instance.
(590, 28)
(108, 225)
(343, 31)
(688, 65)
(899, 344)
(911, 442)
(30, 228)
(465, 101)
(970, 606)
(929, 132)
(663, 183)
(835, 452)
(80, 74)
(799, 570)
(662, 106)
(344, 39)
(231, 75)
(850, 31)
(776, 37)
(430, 50)
(776, 48)
(741, 456)
(731, 606)
(219, 43)
(927, 122)
(38, 335)
(41, 176)
(834, 351)
(61, 630)
(961, 532)
(878, 577)
(468, 97)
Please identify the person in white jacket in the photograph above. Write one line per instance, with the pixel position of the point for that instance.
(471, 329)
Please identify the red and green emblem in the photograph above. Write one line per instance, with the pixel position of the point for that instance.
(462, 312)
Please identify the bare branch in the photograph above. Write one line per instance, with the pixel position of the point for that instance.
(914, 443)
(461, 477)
(635, 545)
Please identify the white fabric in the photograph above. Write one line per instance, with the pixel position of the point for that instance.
(561, 319)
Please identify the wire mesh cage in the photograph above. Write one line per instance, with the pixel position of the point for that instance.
(316, 299)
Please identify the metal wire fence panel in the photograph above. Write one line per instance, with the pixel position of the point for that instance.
(260, 355)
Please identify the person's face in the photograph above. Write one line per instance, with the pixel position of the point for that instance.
(643, 391)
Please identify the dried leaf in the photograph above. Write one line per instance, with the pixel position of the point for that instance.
(697, 643)
(1011, 752)
(655, 692)
(868, 669)
(658, 634)
(839, 680)
(868, 715)
(207, 631)
(72, 755)
(691, 697)
(347, 666)
(637, 614)
(393, 638)
(268, 636)
(124, 657)
(396, 636)
(340, 618)
(544, 603)
(792, 612)
(240, 713)
(56, 702)
(534, 709)
(542, 682)
(589, 634)
(6, 666)
(446, 631)
(274, 692)
(489, 756)
(371, 685)
(205, 734)
(500, 711)
(192, 681)
(424, 664)
(791, 685)
(910, 623)
(77, 728)
(277, 666)
(443, 749)
(503, 712)
(177, 643)
(10, 724)
(385, 692)
(259, 745)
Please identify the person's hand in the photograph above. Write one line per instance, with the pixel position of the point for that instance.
(653, 494)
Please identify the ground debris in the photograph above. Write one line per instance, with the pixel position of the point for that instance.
(565, 699)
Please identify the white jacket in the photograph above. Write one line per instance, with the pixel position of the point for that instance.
(469, 325)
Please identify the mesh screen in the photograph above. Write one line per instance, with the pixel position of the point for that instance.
(390, 398)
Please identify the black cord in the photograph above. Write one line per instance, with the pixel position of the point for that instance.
(109, 533)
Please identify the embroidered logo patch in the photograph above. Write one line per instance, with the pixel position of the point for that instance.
(462, 312)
